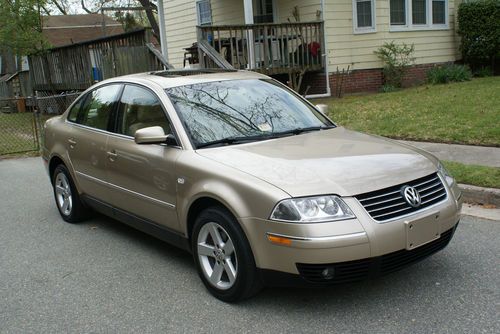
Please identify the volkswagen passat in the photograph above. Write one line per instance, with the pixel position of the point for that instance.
(260, 185)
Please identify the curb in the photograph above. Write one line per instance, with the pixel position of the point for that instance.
(479, 195)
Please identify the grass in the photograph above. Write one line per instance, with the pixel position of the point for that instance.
(475, 175)
(17, 133)
(462, 113)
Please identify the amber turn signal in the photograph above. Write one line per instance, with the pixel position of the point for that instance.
(279, 240)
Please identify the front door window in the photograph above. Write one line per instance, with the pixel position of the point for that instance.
(264, 11)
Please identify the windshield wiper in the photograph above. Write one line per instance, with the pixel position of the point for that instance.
(298, 131)
(271, 135)
(233, 140)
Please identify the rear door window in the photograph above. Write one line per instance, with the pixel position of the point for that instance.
(98, 107)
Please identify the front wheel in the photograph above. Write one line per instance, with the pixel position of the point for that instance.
(223, 256)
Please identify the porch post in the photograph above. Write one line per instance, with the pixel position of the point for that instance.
(248, 8)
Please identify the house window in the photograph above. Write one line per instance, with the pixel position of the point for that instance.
(204, 12)
(418, 14)
(263, 11)
(364, 15)
(419, 11)
(438, 12)
(398, 12)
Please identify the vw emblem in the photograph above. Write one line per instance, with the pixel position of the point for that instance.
(411, 196)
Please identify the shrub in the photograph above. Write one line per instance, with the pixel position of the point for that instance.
(397, 59)
(386, 88)
(448, 73)
(479, 28)
(483, 72)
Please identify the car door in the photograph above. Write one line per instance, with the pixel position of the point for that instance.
(87, 140)
(143, 175)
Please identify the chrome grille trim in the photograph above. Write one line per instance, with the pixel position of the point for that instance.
(382, 205)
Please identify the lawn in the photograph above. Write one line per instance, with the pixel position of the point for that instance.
(462, 113)
(17, 133)
(476, 175)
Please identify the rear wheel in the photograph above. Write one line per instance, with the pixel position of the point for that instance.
(223, 256)
(68, 200)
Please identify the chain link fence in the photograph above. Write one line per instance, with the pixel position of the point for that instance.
(22, 119)
(18, 131)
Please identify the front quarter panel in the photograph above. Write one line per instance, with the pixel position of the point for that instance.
(244, 195)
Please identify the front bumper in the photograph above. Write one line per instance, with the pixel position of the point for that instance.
(357, 270)
(361, 243)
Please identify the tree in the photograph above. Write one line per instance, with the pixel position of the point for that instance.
(149, 6)
(21, 28)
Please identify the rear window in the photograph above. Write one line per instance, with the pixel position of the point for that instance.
(73, 113)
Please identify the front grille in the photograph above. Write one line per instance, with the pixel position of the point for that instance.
(388, 203)
(376, 266)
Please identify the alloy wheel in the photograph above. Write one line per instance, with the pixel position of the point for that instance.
(217, 256)
(64, 198)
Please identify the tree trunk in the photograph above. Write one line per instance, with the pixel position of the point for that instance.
(8, 62)
(151, 18)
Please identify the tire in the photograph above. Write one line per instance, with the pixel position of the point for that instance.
(67, 199)
(229, 273)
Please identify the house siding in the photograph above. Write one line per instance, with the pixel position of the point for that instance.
(227, 12)
(345, 48)
(307, 10)
(180, 23)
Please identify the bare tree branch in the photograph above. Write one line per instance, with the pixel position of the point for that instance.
(61, 8)
(47, 12)
(86, 9)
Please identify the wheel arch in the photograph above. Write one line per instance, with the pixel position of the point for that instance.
(55, 161)
(201, 203)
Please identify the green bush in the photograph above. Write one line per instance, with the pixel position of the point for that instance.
(386, 88)
(483, 72)
(479, 28)
(448, 73)
(397, 59)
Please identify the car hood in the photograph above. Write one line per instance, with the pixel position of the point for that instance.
(335, 161)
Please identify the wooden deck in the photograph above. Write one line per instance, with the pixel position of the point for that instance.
(266, 48)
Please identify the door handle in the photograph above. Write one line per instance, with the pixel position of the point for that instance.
(72, 143)
(112, 155)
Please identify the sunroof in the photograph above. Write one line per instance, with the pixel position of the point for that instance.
(193, 71)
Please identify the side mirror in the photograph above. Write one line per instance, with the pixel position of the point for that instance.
(323, 108)
(152, 135)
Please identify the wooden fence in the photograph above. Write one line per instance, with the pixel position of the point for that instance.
(78, 66)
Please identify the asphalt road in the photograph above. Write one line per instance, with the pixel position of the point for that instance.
(103, 277)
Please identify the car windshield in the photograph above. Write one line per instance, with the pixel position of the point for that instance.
(236, 111)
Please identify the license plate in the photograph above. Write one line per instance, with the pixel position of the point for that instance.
(422, 231)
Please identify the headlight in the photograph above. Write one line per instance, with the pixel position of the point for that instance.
(312, 209)
(445, 174)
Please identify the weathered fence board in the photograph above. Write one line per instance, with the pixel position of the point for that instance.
(78, 66)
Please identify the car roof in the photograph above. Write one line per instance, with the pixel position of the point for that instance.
(174, 78)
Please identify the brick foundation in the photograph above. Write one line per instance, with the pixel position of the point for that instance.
(360, 81)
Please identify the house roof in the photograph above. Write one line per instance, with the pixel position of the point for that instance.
(7, 77)
(69, 29)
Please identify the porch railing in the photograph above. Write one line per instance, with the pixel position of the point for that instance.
(267, 48)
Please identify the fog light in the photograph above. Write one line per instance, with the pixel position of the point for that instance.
(328, 273)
